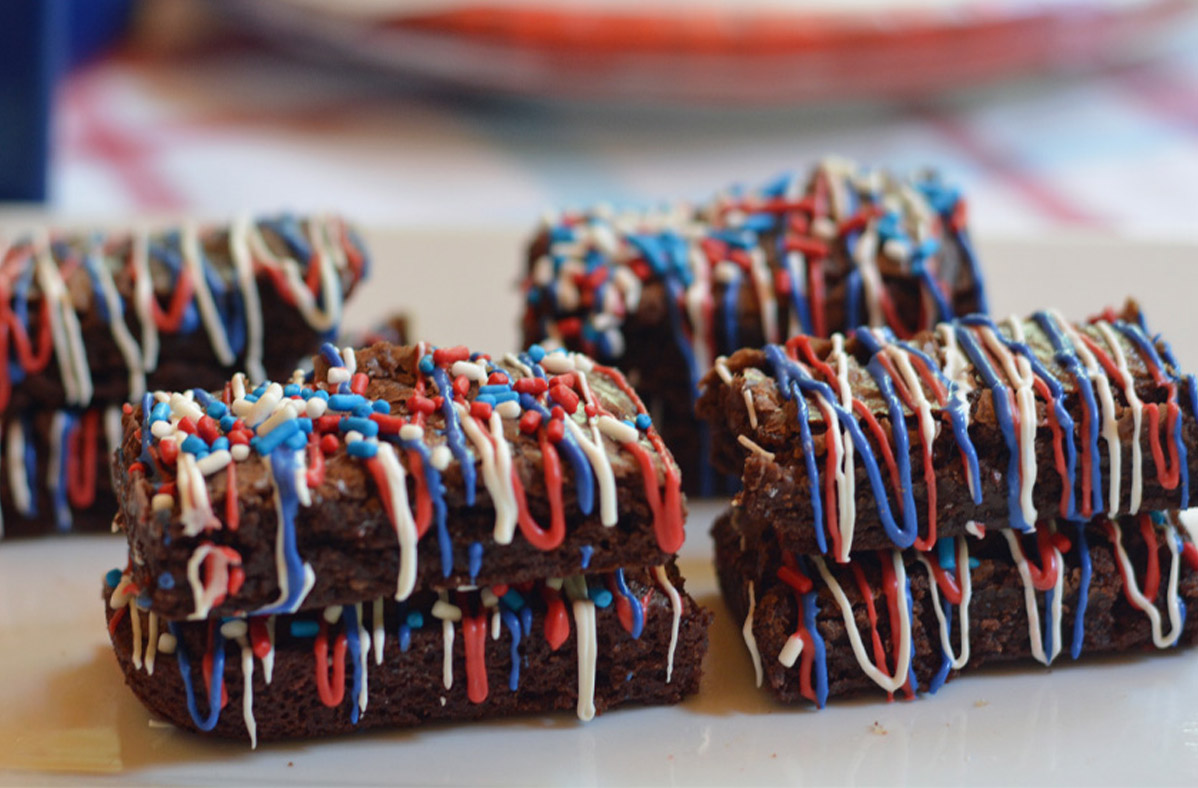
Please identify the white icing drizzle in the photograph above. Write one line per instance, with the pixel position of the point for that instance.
(280, 552)
(62, 508)
(697, 296)
(363, 659)
(64, 327)
(886, 682)
(116, 323)
(956, 365)
(379, 635)
(247, 693)
(865, 255)
(663, 579)
(1148, 606)
(588, 652)
(268, 661)
(18, 479)
(965, 578)
(721, 369)
(596, 453)
(330, 282)
(1035, 635)
(205, 596)
(447, 638)
(750, 638)
(401, 518)
(498, 483)
(151, 642)
(796, 266)
(196, 516)
(1137, 413)
(143, 299)
(759, 268)
(135, 626)
(1019, 373)
(243, 265)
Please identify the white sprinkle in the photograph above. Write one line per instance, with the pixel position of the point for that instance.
(618, 430)
(557, 363)
(446, 611)
(583, 363)
(332, 614)
(555, 583)
(240, 452)
(823, 227)
(509, 409)
(748, 443)
(411, 432)
(791, 651)
(265, 405)
(162, 396)
(488, 598)
(316, 407)
(470, 370)
(166, 643)
(241, 406)
(440, 457)
(338, 375)
(182, 406)
(162, 429)
(162, 501)
(234, 629)
(353, 436)
(214, 462)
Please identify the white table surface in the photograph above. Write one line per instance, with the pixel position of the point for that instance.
(65, 715)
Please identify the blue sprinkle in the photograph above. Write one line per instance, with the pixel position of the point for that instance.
(505, 396)
(630, 423)
(305, 425)
(160, 412)
(415, 619)
(494, 388)
(331, 354)
(426, 364)
(321, 394)
(227, 422)
(220, 443)
(405, 637)
(476, 559)
(512, 599)
(586, 551)
(305, 394)
(362, 409)
(217, 409)
(946, 554)
(193, 444)
(252, 397)
(365, 426)
(643, 422)
(362, 449)
(113, 578)
(304, 629)
(297, 441)
(381, 406)
(1158, 518)
(291, 390)
(166, 581)
(258, 392)
(628, 677)
(487, 398)
(345, 402)
(143, 600)
(536, 352)
(600, 596)
(265, 444)
(974, 563)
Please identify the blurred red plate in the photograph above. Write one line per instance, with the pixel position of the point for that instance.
(754, 51)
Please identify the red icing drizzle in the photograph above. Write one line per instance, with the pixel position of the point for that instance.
(474, 633)
(260, 638)
(206, 666)
(329, 696)
(807, 658)
(557, 623)
(81, 461)
(537, 536)
(1152, 574)
(1043, 577)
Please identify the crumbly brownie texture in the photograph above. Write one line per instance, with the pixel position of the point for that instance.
(1076, 588)
(662, 293)
(53, 473)
(588, 643)
(404, 466)
(1002, 424)
(103, 319)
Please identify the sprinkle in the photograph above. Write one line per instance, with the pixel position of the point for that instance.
(618, 431)
(488, 598)
(214, 462)
(329, 444)
(480, 410)
(170, 451)
(166, 581)
(161, 429)
(557, 363)
(509, 409)
(234, 629)
(362, 426)
(166, 643)
(332, 614)
(427, 365)
(353, 436)
(220, 443)
(193, 444)
(265, 444)
(286, 413)
(600, 596)
(530, 421)
(643, 422)
(186, 425)
(363, 449)
(440, 457)
(536, 353)
(513, 600)
(227, 421)
(381, 406)
(446, 612)
(304, 629)
(469, 370)
(555, 583)
(160, 412)
(217, 409)
(113, 578)
(240, 452)
(338, 375)
(415, 619)
(450, 355)
(291, 390)
(345, 402)
(411, 432)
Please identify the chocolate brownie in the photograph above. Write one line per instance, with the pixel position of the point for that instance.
(398, 467)
(1089, 589)
(1002, 424)
(661, 293)
(95, 318)
(586, 643)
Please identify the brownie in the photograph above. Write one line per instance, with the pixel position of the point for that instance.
(978, 403)
(514, 650)
(1096, 609)
(128, 313)
(60, 479)
(411, 447)
(661, 293)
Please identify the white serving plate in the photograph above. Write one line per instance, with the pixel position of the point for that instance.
(65, 715)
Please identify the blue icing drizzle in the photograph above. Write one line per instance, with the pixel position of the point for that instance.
(911, 617)
(436, 491)
(283, 466)
(1067, 357)
(62, 508)
(634, 605)
(476, 559)
(350, 614)
(513, 626)
(731, 312)
(586, 551)
(218, 677)
(797, 292)
(810, 617)
(1083, 590)
(1049, 596)
(1002, 409)
(584, 477)
(30, 462)
(526, 619)
(454, 437)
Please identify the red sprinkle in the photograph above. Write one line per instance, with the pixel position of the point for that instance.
(388, 425)
(567, 397)
(326, 424)
(590, 410)
(499, 590)
(565, 379)
(238, 425)
(534, 386)
(556, 430)
(260, 637)
(187, 425)
(239, 437)
(461, 385)
(167, 488)
(438, 402)
(137, 467)
(497, 379)
(480, 410)
(208, 429)
(448, 355)
(556, 413)
(170, 451)
(557, 623)
(530, 421)
(421, 404)
(329, 444)
(358, 383)
(126, 409)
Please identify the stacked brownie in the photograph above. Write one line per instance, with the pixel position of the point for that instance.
(980, 492)
(412, 534)
(91, 321)
(661, 293)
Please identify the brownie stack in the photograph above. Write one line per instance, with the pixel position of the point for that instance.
(978, 493)
(91, 321)
(413, 534)
(661, 293)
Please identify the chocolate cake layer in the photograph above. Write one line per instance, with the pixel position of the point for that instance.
(103, 318)
(661, 293)
(422, 467)
(1083, 600)
(1005, 423)
(585, 645)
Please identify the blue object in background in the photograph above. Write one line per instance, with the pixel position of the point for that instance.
(38, 40)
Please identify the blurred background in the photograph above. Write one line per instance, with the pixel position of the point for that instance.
(1053, 115)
